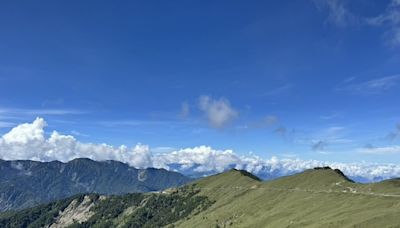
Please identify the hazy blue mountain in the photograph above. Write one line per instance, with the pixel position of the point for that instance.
(26, 183)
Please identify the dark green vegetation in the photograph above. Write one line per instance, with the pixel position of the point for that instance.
(130, 210)
(28, 183)
(38, 216)
(319, 197)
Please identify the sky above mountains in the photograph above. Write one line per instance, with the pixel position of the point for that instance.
(307, 79)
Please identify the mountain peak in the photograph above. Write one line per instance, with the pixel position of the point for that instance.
(244, 173)
(319, 177)
(337, 171)
(229, 179)
(47, 181)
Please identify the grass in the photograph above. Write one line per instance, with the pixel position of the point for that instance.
(314, 198)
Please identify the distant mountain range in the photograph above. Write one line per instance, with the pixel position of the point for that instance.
(320, 197)
(26, 183)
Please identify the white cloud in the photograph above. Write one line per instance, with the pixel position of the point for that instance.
(25, 133)
(29, 141)
(205, 159)
(202, 159)
(219, 112)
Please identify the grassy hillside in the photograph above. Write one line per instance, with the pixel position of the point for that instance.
(315, 198)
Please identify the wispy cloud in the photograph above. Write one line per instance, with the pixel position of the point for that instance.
(77, 133)
(185, 110)
(319, 140)
(393, 135)
(391, 20)
(379, 150)
(319, 145)
(284, 89)
(374, 86)
(338, 13)
(330, 116)
(135, 123)
(287, 134)
(19, 111)
(5, 124)
(265, 122)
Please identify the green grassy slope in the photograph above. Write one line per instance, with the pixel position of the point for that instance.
(314, 198)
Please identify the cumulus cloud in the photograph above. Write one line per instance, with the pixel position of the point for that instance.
(29, 141)
(25, 133)
(218, 112)
(204, 159)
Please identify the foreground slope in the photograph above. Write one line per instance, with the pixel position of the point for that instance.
(29, 183)
(93, 210)
(314, 198)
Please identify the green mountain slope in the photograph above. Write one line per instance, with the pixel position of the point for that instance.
(29, 183)
(93, 210)
(315, 198)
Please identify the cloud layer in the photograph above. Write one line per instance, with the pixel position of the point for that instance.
(29, 141)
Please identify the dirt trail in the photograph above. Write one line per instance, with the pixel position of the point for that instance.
(347, 191)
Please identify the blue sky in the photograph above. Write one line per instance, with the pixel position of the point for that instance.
(307, 79)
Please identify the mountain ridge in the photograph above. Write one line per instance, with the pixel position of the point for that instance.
(321, 197)
(25, 183)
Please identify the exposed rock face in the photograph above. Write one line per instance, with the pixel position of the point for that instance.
(76, 212)
(142, 175)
